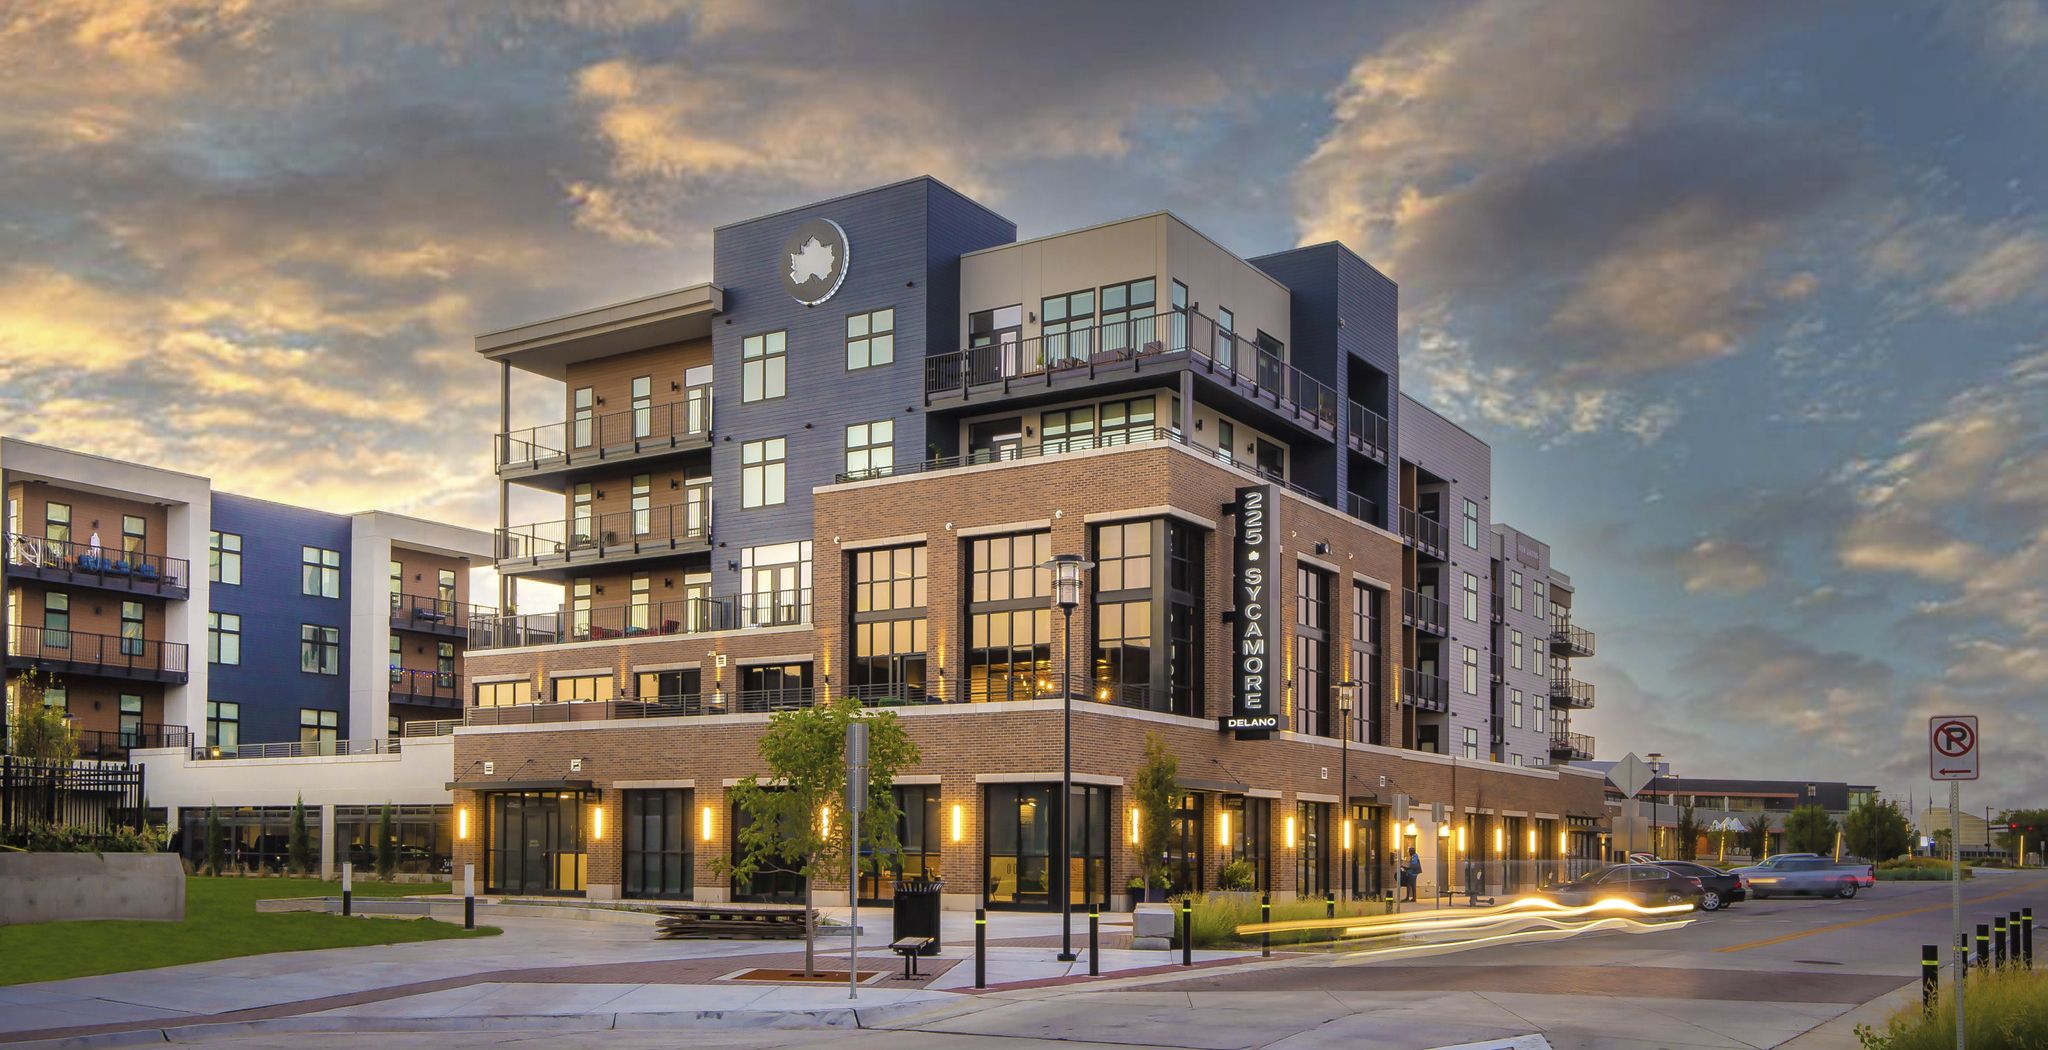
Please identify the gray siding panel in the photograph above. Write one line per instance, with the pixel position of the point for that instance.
(1465, 463)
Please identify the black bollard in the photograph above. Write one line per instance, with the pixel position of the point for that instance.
(2012, 937)
(1983, 945)
(2027, 936)
(981, 947)
(1998, 942)
(348, 884)
(1930, 975)
(1187, 931)
(469, 896)
(1265, 915)
(1094, 940)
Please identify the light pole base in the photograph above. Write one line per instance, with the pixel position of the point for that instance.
(1066, 957)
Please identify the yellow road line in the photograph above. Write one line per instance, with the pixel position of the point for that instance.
(1852, 923)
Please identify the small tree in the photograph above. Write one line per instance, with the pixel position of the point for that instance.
(387, 845)
(1157, 794)
(1688, 834)
(216, 843)
(36, 730)
(1877, 829)
(796, 822)
(1756, 836)
(1809, 829)
(300, 846)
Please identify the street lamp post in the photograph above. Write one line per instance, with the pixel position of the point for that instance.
(1347, 694)
(1654, 757)
(1066, 593)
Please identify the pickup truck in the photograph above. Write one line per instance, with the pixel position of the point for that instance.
(1785, 876)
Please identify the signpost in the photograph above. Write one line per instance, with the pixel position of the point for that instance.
(1630, 776)
(1952, 755)
(856, 800)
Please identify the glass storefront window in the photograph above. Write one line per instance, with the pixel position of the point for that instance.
(1018, 849)
(533, 842)
(918, 839)
(657, 859)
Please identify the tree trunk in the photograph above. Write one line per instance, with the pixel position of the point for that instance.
(810, 930)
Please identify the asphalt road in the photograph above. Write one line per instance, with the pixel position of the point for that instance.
(1758, 975)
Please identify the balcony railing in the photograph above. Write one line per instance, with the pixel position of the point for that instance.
(1122, 437)
(719, 702)
(70, 562)
(1367, 431)
(677, 616)
(417, 612)
(80, 652)
(1570, 692)
(114, 744)
(1151, 341)
(1566, 640)
(1425, 534)
(1363, 509)
(1500, 608)
(411, 684)
(1425, 692)
(300, 749)
(1499, 667)
(591, 438)
(1578, 746)
(1425, 613)
(597, 536)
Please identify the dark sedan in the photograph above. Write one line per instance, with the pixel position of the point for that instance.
(1718, 889)
(1652, 884)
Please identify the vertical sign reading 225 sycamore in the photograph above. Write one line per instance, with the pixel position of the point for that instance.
(1254, 588)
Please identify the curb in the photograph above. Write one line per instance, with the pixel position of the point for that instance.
(848, 1017)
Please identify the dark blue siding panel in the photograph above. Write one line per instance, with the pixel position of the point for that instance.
(892, 256)
(268, 683)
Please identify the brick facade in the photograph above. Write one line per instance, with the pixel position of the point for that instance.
(1066, 495)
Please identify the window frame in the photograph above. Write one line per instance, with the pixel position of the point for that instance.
(760, 470)
(218, 634)
(219, 556)
(764, 366)
(319, 572)
(319, 650)
(868, 337)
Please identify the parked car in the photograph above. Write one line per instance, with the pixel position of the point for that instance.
(1718, 889)
(1816, 876)
(1773, 861)
(1643, 883)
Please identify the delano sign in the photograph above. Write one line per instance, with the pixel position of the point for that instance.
(1253, 714)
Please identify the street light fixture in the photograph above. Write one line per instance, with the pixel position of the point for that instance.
(1347, 694)
(1654, 756)
(1066, 572)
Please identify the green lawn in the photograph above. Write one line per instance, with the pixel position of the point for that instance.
(220, 923)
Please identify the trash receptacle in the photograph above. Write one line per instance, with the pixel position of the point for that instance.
(917, 911)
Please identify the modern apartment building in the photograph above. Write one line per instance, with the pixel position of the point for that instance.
(839, 468)
(159, 612)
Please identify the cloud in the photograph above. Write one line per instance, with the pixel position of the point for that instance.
(2005, 266)
(1461, 385)
(1727, 566)
(1552, 163)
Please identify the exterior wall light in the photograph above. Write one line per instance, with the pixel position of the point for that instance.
(704, 819)
(1461, 839)
(1532, 842)
(596, 823)
(1411, 830)
(462, 823)
(1290, 832)
(1499, 839)
(1223, 829)
(1347, 835)
(1443, 831)
(1134, 826)
(959, 822)
(1564, 843)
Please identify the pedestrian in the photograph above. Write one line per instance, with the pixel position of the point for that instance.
(1411, 874)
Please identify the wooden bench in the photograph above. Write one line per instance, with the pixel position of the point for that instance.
(731, 921)
(910, 948)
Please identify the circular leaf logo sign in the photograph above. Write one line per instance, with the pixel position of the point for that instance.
(814, 261)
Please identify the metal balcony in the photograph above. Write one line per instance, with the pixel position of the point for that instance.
(1576, 747)
(1151, 343)
(1426, 535)
(78, 652)
(437, 616)
(1366, 431)
(70, 564)
(426, 688)
(1570, 692)
(1425, 692)
(1424, 613)
(114, 744)
(1566, 640)
(1365, 510)
(553, 455)
(557, 549)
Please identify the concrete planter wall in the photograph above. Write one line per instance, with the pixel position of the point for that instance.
(66, 887)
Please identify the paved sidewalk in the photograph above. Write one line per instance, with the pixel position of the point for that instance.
(560, 972)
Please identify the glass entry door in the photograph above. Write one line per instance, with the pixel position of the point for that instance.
(535, 843)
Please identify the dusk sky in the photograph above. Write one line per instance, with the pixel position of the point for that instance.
(1751, 300)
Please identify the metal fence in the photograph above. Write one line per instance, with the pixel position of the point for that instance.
(85, 794)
